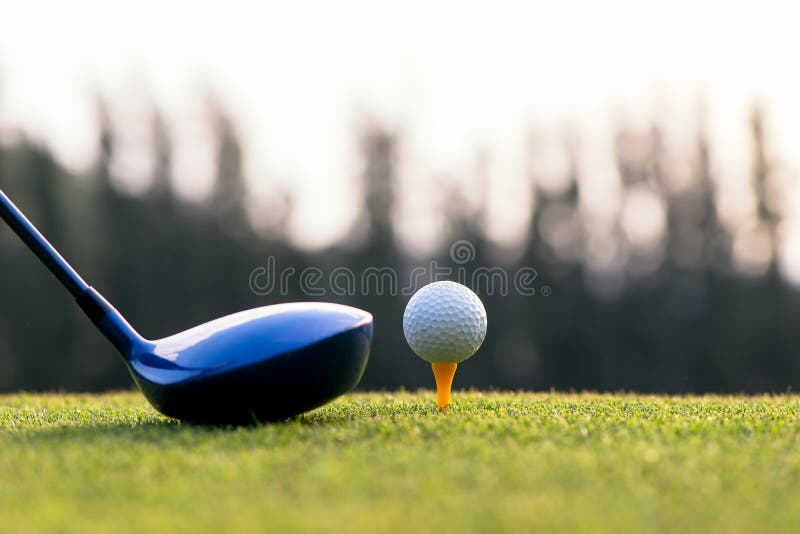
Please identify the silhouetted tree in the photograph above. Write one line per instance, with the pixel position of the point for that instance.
(230, 188)
(161, 188)
(378, 148)
(766, 190)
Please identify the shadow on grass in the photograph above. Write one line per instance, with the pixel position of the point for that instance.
(162, 432)
(149, 427)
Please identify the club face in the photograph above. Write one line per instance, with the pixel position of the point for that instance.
(263, 364)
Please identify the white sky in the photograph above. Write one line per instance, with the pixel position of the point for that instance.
(452, 77)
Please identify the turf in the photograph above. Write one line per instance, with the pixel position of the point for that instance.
(388, 462)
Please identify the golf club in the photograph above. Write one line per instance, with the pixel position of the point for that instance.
(263, 364)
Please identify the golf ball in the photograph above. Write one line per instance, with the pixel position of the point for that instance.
(444, 322)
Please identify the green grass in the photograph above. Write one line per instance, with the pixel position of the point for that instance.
(388, 462)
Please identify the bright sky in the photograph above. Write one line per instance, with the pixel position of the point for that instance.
(453, 77)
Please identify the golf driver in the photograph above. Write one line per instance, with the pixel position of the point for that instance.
(263, 364)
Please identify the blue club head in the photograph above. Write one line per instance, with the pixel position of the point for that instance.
(263, 364)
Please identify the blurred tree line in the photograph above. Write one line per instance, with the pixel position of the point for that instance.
(617, 307)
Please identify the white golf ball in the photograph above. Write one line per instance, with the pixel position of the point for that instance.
(444, 322)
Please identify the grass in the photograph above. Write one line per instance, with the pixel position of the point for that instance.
(388, 462)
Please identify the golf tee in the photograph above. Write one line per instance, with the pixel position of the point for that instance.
(444, 373)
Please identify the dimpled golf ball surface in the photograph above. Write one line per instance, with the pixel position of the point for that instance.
(444, 322)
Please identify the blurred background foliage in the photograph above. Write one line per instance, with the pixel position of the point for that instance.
(689, 305)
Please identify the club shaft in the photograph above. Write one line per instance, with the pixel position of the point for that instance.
(41, 247)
